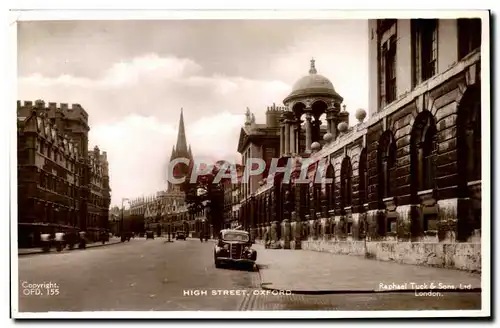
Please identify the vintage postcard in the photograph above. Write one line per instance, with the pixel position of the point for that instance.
(250, 164)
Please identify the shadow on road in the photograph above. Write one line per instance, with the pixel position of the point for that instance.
(240, 267)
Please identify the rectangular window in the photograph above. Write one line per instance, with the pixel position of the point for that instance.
(430, 222)
(424, 49)
(469, 36)
(390, 73)
(387, 61)
(392, 225)
(42, 180)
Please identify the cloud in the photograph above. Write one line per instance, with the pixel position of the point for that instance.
(134, 109)
(153, 85)
(138, 149)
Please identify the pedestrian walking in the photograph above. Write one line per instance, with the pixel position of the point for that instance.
(82, 243)
(45, 241)
(59, 240)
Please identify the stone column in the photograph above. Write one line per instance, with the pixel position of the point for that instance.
(286, 233)
(308, 133)
(292, 138)
(287, 137)
(282, 140)
(274, 235)
(296, 136)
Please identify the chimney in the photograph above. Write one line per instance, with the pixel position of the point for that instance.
(272, 116)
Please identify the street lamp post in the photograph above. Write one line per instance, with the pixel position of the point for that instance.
(121, 221)
(169, 229)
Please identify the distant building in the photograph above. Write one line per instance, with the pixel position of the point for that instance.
(60, 185)
(232, 198)
(261, 141)
(167, 208)
(114, 220)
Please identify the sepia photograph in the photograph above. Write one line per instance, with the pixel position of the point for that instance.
(245, 164)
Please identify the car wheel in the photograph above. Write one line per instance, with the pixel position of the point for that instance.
(217, 264)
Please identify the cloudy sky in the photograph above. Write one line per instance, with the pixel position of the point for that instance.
(133, 77)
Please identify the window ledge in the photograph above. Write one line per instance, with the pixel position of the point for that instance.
(474, 183)
(390, 203)
(425, 192)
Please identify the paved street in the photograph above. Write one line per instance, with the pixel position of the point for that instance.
(153, 275)
(141, 275)
(299, 271)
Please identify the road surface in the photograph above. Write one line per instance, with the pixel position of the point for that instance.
(152, 275)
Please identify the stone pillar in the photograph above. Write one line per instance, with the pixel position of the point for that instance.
(308, 133)
(296, 134)
(274, 235)
(282, 140)
(340, 227)
(297, 237)
(287, 137)
(267, 233)
(286, 233)
(292, 139)
(331, 121)
(404, 221)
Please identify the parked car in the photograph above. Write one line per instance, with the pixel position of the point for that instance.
(180, 235)
(234, 247)
(150, 235)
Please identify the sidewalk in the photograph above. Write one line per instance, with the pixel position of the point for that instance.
(309, 272)
(38, 250)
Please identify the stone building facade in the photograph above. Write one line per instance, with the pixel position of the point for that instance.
(61, 183)
(260, 141)
(406, 181)
(232, 198)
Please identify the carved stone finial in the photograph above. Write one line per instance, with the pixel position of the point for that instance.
(312, 70)
(360, 115)
(247, 116)
(342, 127)
(328, 137)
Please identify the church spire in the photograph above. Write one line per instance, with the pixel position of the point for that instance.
(181, 146)
(173, 153)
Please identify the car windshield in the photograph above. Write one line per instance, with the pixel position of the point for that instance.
(236, 236)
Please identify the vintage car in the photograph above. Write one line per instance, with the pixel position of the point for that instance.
(234, 247)
(180, 235)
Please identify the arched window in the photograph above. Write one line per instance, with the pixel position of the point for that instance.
(330, 187)
(469, 134)
(346, 182)
(386, 163)
(423, 152)
(363, 177)
(292, 198)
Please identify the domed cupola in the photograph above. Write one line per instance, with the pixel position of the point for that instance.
(313, 84)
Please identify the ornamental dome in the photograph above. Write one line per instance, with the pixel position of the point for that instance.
(313, 84)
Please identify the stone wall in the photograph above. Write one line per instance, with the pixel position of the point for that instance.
(460, 256)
